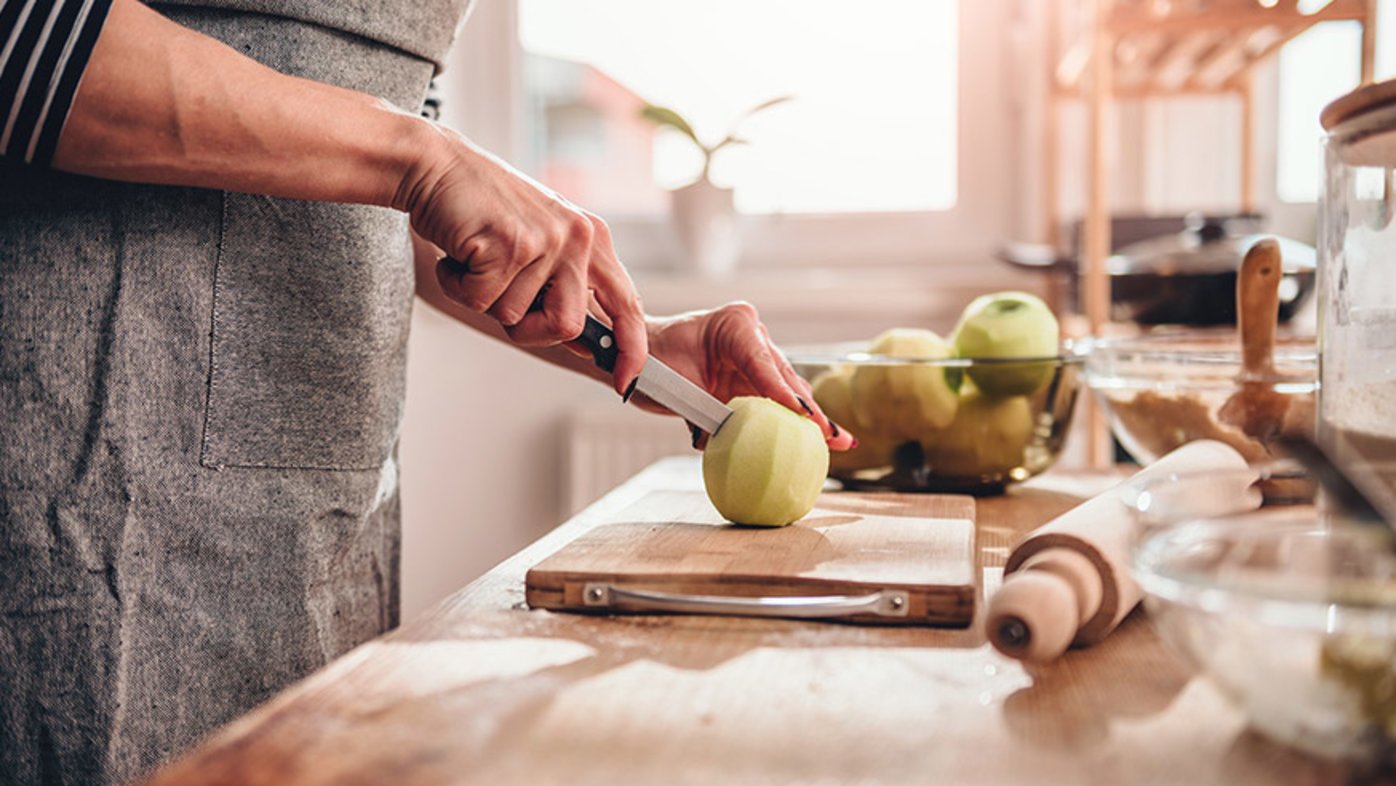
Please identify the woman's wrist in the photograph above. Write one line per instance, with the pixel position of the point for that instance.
(424, 152)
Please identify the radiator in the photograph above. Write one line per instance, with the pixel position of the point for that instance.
(605, 445)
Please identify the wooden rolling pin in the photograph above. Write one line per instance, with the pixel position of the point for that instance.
(1067, 582)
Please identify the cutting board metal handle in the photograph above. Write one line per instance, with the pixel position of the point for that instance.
(883, 603)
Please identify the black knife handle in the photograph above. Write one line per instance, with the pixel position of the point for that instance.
(601, 341)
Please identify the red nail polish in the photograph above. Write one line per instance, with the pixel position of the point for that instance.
(854, 445)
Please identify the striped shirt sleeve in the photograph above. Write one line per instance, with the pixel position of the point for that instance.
(44, 48)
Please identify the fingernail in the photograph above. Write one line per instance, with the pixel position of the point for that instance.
(804, 404)
(834, 427)
(697, 435)
(854, 445)
(629, 391)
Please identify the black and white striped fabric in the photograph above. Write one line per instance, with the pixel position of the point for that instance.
(44, 47)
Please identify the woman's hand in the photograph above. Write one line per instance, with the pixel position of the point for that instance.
(729, 352)
(513, 239)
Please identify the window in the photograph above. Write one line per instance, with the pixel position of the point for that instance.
(1315, 68)
(871, 127)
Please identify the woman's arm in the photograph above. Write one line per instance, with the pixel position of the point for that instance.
(160, 103)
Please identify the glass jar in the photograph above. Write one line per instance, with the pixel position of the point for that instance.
(1357, 282)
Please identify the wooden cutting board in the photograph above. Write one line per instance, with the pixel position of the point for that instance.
(903, 559)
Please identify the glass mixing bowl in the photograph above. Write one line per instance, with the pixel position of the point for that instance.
(969, 425)
(1162, 391)
(1290, 613)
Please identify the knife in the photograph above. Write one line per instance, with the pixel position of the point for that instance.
(663, 385)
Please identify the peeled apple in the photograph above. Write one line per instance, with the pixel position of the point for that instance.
(987, 437)
(766, 465)
(833, 393)
(904, 401)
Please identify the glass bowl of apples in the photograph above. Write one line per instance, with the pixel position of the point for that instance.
(974, 413)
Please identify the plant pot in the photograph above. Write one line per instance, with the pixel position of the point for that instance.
(705, 220)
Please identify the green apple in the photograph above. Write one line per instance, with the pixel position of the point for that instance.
(833, 392)
(987, 437)
(766, 465)
(1008, 325)
(904, 401)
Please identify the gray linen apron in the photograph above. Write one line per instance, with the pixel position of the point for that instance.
(200, 397)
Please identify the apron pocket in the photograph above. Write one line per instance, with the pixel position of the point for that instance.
(311, 308)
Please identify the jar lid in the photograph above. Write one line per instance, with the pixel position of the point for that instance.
(1364, 99)
(1362, 126)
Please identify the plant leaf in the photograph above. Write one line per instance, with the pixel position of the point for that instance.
(732, 139)
(764, 105)
(663, 116)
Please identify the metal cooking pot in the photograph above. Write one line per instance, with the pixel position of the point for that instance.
(1185, 277)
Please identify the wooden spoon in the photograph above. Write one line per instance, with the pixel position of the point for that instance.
(1256, 408)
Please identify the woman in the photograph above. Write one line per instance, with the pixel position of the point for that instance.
(201, 375)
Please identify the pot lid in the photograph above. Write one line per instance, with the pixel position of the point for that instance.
(1209, 245)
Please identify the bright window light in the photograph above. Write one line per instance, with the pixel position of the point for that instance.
(1315, 68)
(872, 126)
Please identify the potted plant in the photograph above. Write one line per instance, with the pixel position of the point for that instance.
(704, 214)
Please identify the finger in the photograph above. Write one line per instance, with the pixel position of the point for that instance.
(700, 437)
(450, 274)
(517, 299)
(739, 341)
(615, 293)
(577, 348)
(471, 278)
(837, 438)
(794, 380)
(563, 314)
(632, 339)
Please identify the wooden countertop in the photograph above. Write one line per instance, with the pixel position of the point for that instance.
(483, 690)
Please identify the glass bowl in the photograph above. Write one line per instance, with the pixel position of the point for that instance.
(967, 425)
(1290, 613)
(1162, 391)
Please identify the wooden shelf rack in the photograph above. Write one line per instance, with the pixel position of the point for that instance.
(1101, 51)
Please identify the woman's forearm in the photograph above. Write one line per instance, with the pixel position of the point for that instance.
(160, 103)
